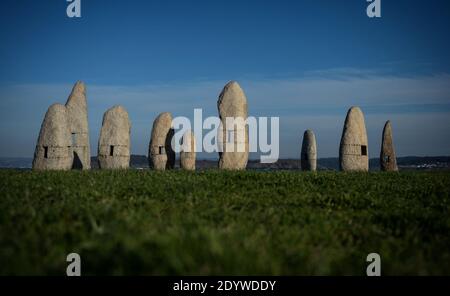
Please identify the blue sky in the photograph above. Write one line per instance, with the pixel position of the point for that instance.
(305, 61)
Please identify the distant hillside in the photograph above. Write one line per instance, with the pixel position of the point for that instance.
(141, 162)
(15, 162)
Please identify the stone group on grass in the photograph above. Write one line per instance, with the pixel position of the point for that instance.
(63, 141)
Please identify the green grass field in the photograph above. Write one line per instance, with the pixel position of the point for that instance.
(224, 223)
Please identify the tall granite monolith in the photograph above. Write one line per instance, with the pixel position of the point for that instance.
(353, 150)
(187, 154)
(53, 149)
(114, 142)
(78, 122)
(161, 156)
(309, 152)
(388, 160)
(233, 131)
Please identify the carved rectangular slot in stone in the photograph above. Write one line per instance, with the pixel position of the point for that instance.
(111, 150)
(45, 152)
(74, 139)
(387, 158)
(162, 150)
(363, 150)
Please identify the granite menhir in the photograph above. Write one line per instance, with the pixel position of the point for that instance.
(161, 156)
(53, 150)
(353, 151)
(187, 154)
(78, 124)
(309, 152)
(233, 137)
(388, 161)
(114, 142)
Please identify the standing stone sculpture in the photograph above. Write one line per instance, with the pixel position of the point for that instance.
(161, 156)
(353, 151)
(78, 123)
(388, 161)
(53, 151)
(233, 137)
(187, 154)
(114, 142)
(309, 152)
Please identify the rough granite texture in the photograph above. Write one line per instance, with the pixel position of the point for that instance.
(388, 160)
(232, 103)
(161, 156)
(354, 149)
(78, 122)
(53, 151)
(309, 152)
(187, 154)
(114, 142)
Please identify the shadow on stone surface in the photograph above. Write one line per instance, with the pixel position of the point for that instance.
(77, 164)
